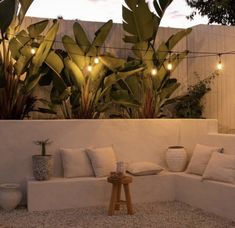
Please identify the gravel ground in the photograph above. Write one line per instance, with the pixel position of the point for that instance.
(156, 215)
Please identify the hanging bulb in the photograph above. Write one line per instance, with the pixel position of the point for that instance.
(219, 64)
(169, 66)
(89, 67)
(137, 5)
(154, 71)
(96, 60)
(33, 51)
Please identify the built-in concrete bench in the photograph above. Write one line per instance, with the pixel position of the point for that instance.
(62, 193)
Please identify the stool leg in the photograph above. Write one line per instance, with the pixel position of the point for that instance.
(113, 199)
(128, 199)
(117, 206)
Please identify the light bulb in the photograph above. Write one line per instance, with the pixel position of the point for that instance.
(96, 60)
(219, 65)
(169, 66)
(137, 5)
(89, 67)
(154, 72)
(33, 51)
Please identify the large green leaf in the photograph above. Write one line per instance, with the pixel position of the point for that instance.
(112, 63)
(45, 47)
(25, 4)
(160, 6)
(174, 39)
(75, 72)
(7, 12)
(81, 37)
(54, 62)
(20, 64)
(100, 37)
(74, 51)
(114, 77)
(17, 43)
(139, 22)
(37, 28)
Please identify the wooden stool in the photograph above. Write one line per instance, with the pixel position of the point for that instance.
(117, 182)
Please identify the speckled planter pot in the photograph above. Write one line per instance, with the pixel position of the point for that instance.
(10, 196)
(42, 167)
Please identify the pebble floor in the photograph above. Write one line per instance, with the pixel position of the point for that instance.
(156, 215)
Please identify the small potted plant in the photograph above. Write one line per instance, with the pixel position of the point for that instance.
(42, 164)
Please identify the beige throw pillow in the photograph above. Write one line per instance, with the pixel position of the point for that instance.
(221, 167)
(103, 160)
(76, 163)
(200, 158)
(143, 168)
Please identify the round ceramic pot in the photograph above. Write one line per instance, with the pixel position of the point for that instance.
(176, 158)
(10, 196)
(42, 167)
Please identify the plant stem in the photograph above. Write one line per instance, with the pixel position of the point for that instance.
(43, 149)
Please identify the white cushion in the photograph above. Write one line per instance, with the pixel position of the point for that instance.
(76, 163)
(103, 160)
(143, 168)
(221, 167)
(200, 158)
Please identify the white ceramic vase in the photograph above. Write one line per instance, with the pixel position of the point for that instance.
(176, 158)
(10, 196)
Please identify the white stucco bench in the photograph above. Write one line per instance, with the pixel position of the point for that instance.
(61, 193)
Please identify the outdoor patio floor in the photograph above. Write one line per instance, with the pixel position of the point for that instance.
(157, 215)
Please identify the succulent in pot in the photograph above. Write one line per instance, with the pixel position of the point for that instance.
(42, 164)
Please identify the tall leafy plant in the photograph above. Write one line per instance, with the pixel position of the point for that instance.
(155, 85)
(84, 85)
(24, 57)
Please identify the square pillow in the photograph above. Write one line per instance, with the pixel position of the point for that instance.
(76, 163)
(200, 158)
(103, 160)
(143, 168)
(221, 167)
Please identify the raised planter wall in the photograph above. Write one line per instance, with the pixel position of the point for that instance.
(133, 140)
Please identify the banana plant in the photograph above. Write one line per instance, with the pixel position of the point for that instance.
(88, 76)
(24, 56)
(155, 84)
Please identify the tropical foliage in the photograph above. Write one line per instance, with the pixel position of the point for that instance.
(155, 85)
(190, 104)
(24, 57)
(85, 85)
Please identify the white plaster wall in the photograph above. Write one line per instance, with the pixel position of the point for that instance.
(133, 140)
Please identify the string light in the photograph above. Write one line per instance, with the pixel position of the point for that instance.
(96, 60)
(169, 64)
(33, 51)
(219, 64)
(154, 71)
(89, 67)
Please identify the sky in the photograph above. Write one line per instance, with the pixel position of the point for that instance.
(103, 10)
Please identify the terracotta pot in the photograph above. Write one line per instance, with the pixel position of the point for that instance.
(176, 158)
(10, 196)
(42, 167)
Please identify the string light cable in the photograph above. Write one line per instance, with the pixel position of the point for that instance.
(190, 54)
